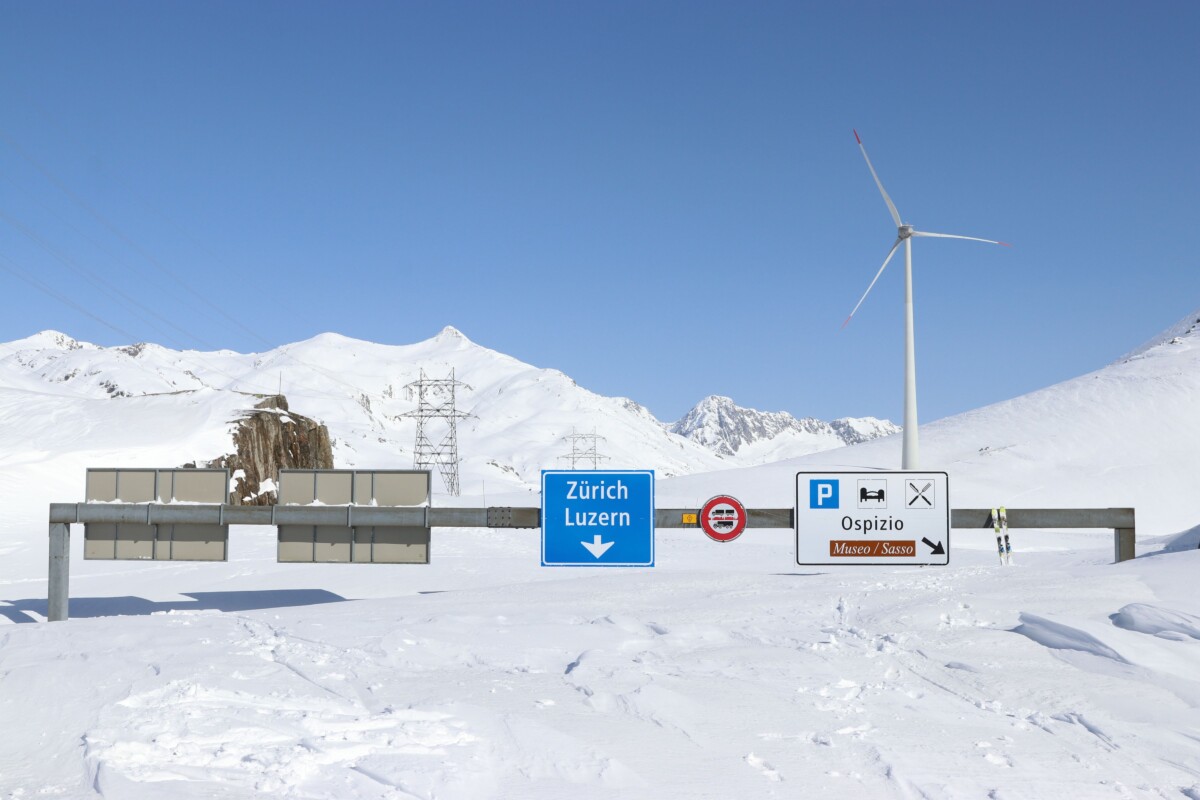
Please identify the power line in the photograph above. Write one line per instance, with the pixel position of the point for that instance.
(99, 283)
(9, 267)
(12, 269)
(87, 207)
(145, 254)
(104, 249)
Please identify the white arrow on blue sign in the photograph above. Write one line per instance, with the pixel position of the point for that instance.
(597, 518)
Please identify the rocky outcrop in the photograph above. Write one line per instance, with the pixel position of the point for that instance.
(267, 439)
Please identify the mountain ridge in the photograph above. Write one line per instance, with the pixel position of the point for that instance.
(1123, 436)
(521, 416)
(727, 429)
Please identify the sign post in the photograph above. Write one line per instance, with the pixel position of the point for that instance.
(597, 518)
(872, 518)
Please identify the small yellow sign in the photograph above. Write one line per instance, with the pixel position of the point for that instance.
(690, 519)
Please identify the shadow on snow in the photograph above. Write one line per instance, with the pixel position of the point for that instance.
(80, 607)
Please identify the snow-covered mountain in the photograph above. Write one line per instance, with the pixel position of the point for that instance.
(520, 415)
(723, 671)
(1125, 435)
(757, 437)
(67, 405)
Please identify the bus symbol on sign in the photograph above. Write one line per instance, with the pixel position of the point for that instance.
(723, 518)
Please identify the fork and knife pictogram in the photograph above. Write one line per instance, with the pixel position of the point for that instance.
(919, 494)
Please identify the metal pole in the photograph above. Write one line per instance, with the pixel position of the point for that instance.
(910, 458)
(60, 563)
(1124, 544)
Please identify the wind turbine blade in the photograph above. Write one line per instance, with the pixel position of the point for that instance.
(952, 236)
(891, 253)
(891, 206)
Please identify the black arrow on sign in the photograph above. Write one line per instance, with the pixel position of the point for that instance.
(937, 549)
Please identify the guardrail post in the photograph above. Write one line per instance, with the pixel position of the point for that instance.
(1124, 544)
(60, 564)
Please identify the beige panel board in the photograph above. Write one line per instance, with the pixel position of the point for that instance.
(100, 540)
(333, 544)
(400, 545)
(162, 543)
(101, 486)
(401, 488)
(361, 552)
(137, 485)
(196, 486)
(135, 542)
(296, 487)
(192, 542)
(335, 488)
(362, 488)
(295, 543)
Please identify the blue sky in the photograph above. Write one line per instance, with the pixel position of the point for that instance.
(663, 200)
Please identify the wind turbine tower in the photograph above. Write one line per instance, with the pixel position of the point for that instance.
(905, 233)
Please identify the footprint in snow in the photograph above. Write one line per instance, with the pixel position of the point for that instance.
(763, 766)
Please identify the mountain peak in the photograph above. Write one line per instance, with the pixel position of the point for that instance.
(1187, 328)
(49, 340)
(724, 427)
(451, 333)
(717, 401)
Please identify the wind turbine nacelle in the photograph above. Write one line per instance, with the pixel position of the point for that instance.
(905, 231)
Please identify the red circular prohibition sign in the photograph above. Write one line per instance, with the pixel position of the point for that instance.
(723, 518)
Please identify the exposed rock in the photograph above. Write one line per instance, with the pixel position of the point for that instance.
(113, 390)
(724, 427)
(270, 438)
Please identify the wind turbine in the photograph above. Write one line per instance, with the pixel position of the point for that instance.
(905, 233)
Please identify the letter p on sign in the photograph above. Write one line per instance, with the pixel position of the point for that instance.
(822, 494)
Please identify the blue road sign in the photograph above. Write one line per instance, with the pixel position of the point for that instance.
(597, 518)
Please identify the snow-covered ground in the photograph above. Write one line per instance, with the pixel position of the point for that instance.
(724, 671)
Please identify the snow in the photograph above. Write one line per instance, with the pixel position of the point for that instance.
(747, 436)
(724, 671)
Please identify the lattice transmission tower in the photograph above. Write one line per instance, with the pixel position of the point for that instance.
(435, 402)
(584, 449)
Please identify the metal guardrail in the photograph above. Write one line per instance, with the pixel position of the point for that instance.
(63, 515)
(179, 513)
(1121, 520)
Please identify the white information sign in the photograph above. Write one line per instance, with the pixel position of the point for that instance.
(880, 518)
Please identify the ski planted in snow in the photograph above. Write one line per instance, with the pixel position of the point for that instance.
(1004, 530)
(999, 541)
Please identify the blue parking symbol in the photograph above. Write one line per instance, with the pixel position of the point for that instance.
(822, 494)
